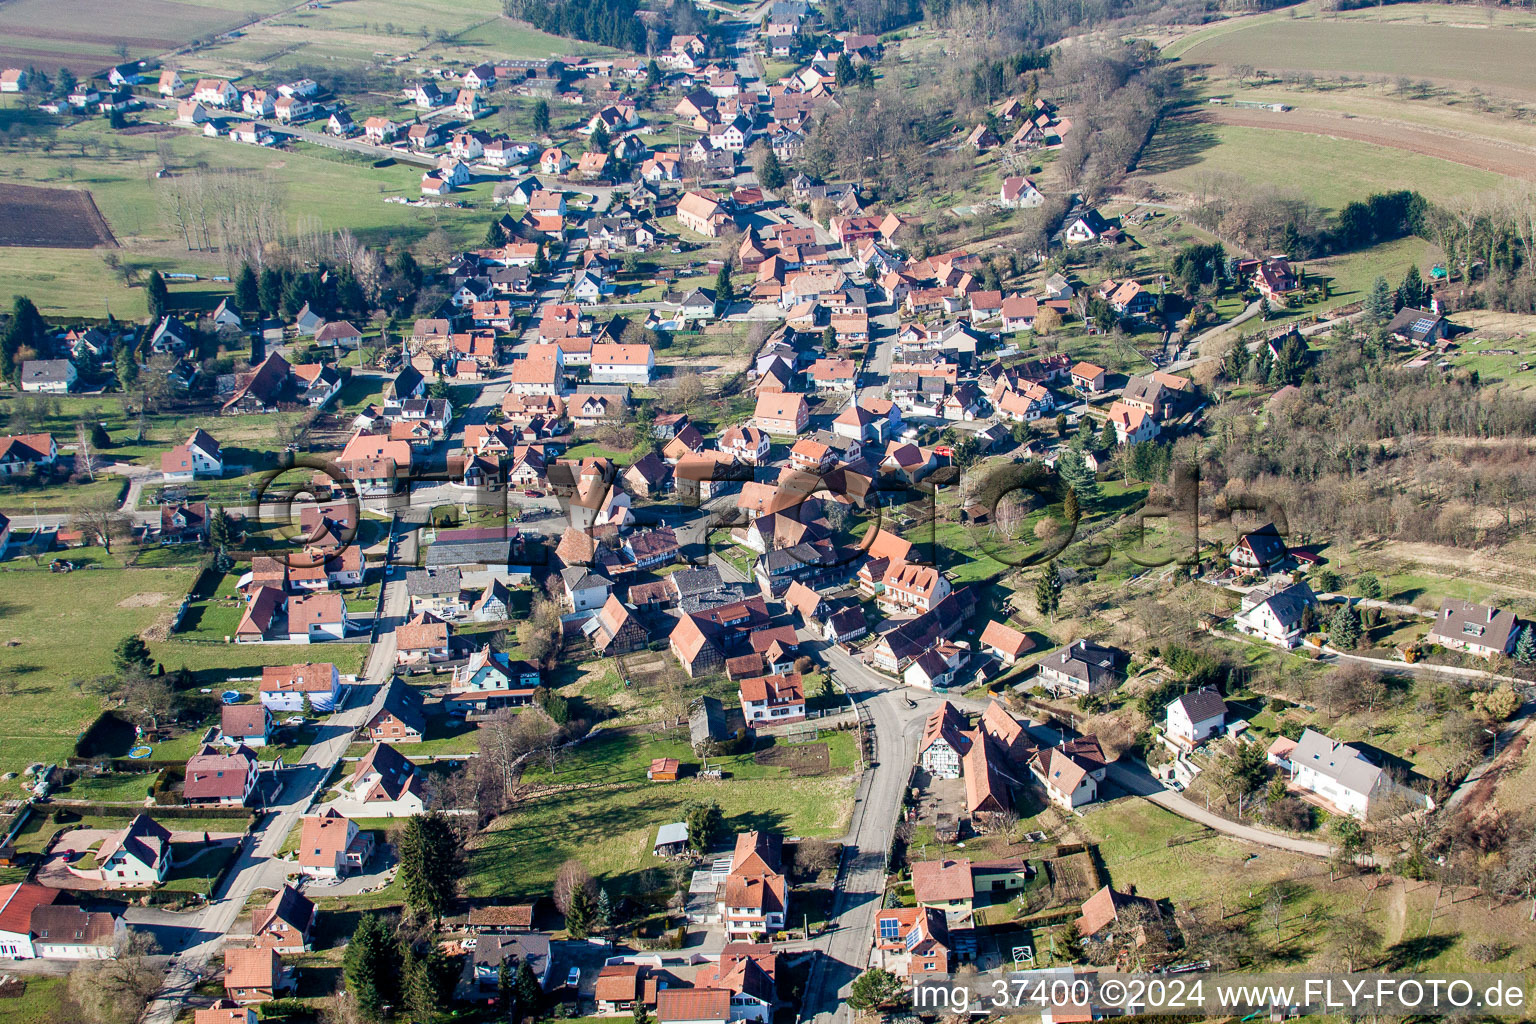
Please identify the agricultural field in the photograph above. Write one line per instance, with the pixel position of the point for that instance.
(357, 32)
(319, 188)
(89, 35)
(50, 218)
(1190, 151)
(1493, 57)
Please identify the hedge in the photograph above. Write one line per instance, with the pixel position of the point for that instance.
(82, 807)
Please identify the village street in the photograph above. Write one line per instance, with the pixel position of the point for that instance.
(196, 937)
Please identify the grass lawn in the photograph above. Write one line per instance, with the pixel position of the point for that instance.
(1133, 842)
(63, 627)
(39, 831)
(611, 824)
(196, 875)
(41, 1003)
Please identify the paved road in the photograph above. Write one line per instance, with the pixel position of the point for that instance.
(198, 937)
(861, 876)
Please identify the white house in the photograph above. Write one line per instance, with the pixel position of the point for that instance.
(138, 856)
(1277, 613)
(48, 376)
(1019, 193)
(331, 845)
(584, 589)
(1068, 782)
(622, 364)
(944, 743)
(317, 617)
(1345, 777)
(284, 687)
(1196, 717)
(199, 456)
(215, 92)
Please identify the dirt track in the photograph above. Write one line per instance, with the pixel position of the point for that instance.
(1470, 150)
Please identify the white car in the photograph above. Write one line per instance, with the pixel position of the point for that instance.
(469, 943)
(574, 977)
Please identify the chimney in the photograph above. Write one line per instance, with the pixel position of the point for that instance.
(1491, 613)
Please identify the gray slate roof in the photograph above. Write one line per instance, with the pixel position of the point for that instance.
(431, 582)
(1338, 761)
(1202, 704)
(1468, 623)
(1085, 660)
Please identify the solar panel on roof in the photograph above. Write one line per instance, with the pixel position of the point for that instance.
(914, 937)
(1423, 325)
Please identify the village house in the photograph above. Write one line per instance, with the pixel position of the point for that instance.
(255, 975)
(1474, 628)
(785, 414)
(754, 898)
(1346, 779)
(386, 784)
(490, 680)
(1263, 548)
(911, 942)
(1082, 667)
(284, 923)
(1193, 718)
(331, 845)
(245, 725)
(137, 856)
(223, 778)
(1279, 613)
(400, 718)
(285, 689)
(772, 700)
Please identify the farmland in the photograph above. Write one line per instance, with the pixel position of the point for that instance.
(1329, 171)
(319, 187)
(84, 35)
(1493, 58)
(51, 217)
(358, 31)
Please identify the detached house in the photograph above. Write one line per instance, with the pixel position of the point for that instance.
(1474, 628)
(285, 687)
(137, 856)
(283, 924)
(1081, 668)
(490, 680)
(783, 413)
(772, 700)
(1277, 613)
(1261, 549)
(227, 779)
(331, 845)
(1019, 193)
(1346, 778)
(1195, 717)
(755, 897)
(399, 719)
(215, 92)
(911, 942)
